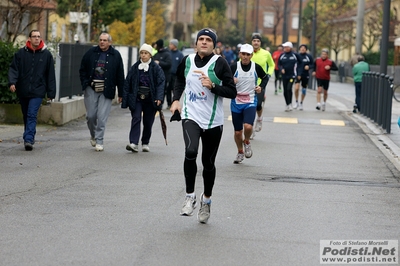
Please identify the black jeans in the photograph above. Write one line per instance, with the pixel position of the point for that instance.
(358, 95)
(287, 90)
(170, 89)
(210, 139)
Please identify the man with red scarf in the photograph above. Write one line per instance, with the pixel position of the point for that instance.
(32, 76)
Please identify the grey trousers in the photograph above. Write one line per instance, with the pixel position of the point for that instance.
(97, 110)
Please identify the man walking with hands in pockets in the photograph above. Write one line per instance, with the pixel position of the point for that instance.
(204, 78)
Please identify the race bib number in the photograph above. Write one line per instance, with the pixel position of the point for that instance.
(243, 98)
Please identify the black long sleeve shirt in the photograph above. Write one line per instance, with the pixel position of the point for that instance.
(221, 69)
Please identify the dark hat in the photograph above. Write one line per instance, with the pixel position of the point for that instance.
(208, 33)
(160, 44)
(303, 45)
(256, 35)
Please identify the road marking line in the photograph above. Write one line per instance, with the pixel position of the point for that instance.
(332, 123)
(288, 120)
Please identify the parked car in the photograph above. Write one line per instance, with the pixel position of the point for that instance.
(188, 51)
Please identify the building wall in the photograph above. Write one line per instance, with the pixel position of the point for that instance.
(184, 11)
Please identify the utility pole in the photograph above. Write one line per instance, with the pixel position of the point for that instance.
(284, 30)
(245, 21)
(313, 42)
(385, 36)
(143, 25)
(299, 31)
(256, 9)
(360, 25)
(89, 20)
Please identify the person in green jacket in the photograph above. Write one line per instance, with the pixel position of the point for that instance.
(358, 70)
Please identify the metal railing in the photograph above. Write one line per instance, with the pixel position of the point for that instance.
(376, 98)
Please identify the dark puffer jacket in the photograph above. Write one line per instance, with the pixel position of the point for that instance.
(33, 73)
(131, 86)
(114, 70)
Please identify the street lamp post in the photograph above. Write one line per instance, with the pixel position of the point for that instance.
(313, 41)
(89, 20)
(143, 25)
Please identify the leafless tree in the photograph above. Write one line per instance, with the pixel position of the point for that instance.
(19, 15)
(278, 11)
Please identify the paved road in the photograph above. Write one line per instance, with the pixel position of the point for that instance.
(65, 204)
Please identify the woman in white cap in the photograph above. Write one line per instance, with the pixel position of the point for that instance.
(143, 94)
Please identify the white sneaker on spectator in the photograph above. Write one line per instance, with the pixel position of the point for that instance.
(145, 148)
(301, 107)
(132, 147)
(93, 142)
(323, 107)
(99, 147)
(295, 105)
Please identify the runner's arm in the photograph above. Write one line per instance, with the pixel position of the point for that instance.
(271, 64)
(262, 75)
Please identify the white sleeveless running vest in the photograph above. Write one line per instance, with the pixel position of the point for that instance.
(247, 82)
(199, 103)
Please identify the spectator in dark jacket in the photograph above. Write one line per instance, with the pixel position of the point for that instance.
(101, 71)
(31, 75)
(290, 66)
(163, 59)
(176, 57)
(143, 94)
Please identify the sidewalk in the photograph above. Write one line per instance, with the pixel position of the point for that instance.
(342, 96)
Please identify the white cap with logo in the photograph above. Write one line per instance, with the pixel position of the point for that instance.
(246, 48)
(287, 44)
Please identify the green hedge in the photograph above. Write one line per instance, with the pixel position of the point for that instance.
(375, 58)
(7, 51)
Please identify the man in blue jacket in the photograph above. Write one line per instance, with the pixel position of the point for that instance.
(31, 75)
(290, 66)
(176, 57)
(101, 71)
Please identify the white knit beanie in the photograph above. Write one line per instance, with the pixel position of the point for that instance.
(146, 47)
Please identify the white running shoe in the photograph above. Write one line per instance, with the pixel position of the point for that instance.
(323, 107)
(204, 212)
(295, 105)
(132, 147)
(188, 206)
(258, 126)
(253, 134)
(247, 150)
(93, 142)
(318, 106)
(145, 148)
(239, 158)
(99, 147)
(300, 106)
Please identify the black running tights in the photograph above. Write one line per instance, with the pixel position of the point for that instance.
(210, 139)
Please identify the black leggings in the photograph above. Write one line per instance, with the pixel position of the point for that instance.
(210, 139)
(287, 90)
